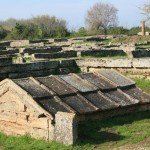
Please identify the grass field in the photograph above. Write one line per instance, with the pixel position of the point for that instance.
(143, 84)
(130, 132)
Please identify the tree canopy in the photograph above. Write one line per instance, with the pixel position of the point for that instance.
(101, 16)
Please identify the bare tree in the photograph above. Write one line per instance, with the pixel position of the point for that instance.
(101, 16)
(146, 10)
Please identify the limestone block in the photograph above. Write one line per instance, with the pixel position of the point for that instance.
(51, 131)
(65, 128)
(19, 43)
(11, 102)
(39, 133)
(12, 128)
(67, 63)
(23, 68)
(41, 123)
(141, 63)
(116, 63)
(8, 116)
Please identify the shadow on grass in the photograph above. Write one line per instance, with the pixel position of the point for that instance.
(102, 131)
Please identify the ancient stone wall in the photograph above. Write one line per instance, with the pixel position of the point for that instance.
(42, 68)
(65, 54)
(17, 119)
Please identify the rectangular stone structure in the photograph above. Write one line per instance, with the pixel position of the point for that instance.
(66, 128)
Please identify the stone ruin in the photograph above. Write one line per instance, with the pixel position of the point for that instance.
(19, 59)
(51, 107)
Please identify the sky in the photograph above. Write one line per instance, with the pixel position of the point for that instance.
(73, 11)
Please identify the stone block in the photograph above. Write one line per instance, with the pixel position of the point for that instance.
(141, 53)
(65, 54)
(66, 128)
(41, 123)
(34, 66)
(5, 61)
(19, 43)
(141, 63)
(109, 63)
(67, 63)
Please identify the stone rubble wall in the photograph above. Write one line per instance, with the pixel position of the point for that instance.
(19, 43)
(65, 54)
(45, 68)
(41, 68)
(17, 119)
(114, 63)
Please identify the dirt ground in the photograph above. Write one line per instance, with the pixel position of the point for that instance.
(1, 148)
(144, 145)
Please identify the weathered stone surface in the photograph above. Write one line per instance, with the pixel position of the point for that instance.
(68, 63)
(65, 54)
(103, 53)
(19, 43)
(141, 53)
(35, 66)
(4, 61)
(65, 128)
(9, 52)
(115, 63)
(42, 50)
(141, 63)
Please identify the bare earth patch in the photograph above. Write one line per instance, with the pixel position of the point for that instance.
(1, 148)
(144, 145)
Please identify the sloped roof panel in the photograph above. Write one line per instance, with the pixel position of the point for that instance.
(101, 101)
(78, 83)
(116, 77)
(32, 88)
(138, 94)
(55, 85)
(98, 81)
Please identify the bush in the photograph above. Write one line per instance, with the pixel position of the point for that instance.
(3, 33)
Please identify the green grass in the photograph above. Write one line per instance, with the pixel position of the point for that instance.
(143, 84)
(98, 135)
(103, 134)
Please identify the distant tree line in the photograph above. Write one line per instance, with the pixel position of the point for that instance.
(35, 28)
(101, 19)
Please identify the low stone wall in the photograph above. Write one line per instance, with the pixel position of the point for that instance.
(103, 53)
(105, 63)
(136, 65)
(42, 50)
(38, 41)
(114, 63)
(57, 40)
(5, 43)
(141, 53)
(9, 52)
(19, 43)
(43, 68)
(65, 54)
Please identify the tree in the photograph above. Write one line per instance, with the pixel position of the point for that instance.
(3, 33)
(146, 10)
(101, 16)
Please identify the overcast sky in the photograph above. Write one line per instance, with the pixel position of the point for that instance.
(73, 11)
